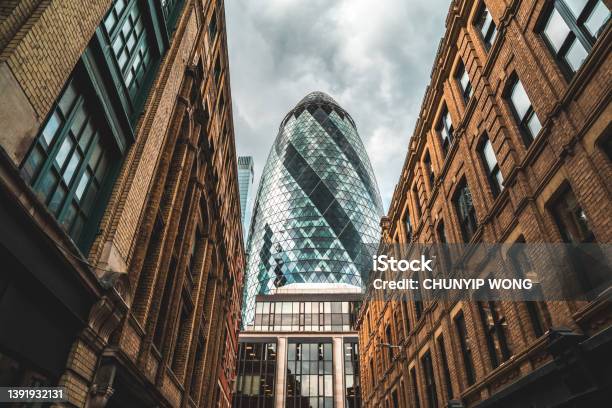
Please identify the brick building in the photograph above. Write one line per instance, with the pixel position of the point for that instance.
(121, 240)
(512, 145)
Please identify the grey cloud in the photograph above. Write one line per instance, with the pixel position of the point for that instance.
(374, 58)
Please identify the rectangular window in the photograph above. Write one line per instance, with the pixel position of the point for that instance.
(415, 388)
(372, 375)
(212, 27)
(485, 24)
(429, 170)
(522, 110)
(69, 164)
(218, 69)
(466, 351)
(574, 227)
(394, 399)
(493, 322)
(309, 375)
(571, 29)
(463, 80)
(255, 375)
(571, 219)
(408, 225)
(445, 368)
(492, 168)
(465, 211)
(389, 339)
(445, 129)
(417, 201)
(430, 381)
(131, 47)
(351, 375)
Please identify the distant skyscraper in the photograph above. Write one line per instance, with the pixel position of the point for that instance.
(315, 226)
(245, 184)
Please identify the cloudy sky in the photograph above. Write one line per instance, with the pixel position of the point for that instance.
(372, 57)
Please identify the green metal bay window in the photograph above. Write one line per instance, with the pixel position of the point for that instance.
(130, 38)
(70, 163)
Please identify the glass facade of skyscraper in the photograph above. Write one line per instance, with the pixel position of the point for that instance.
(317, 212)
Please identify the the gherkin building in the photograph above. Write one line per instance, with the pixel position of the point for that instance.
(318, 208)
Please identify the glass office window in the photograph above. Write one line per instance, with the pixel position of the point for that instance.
(255, 375)
(352, 383)
(309, 375)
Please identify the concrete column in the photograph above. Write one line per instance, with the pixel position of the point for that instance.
(338, 357)
(281, 372)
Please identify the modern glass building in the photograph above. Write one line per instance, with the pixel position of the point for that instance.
(245, 185)
(317, 211)
(315, 226)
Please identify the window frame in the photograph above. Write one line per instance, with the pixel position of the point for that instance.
(468, 91)
(492, 173)
(490, 36)
(469, 219)
(522, 123)
(577, 32)
(84, 103)
(445, 132)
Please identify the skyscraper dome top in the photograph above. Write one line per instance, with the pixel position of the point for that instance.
(317, 97)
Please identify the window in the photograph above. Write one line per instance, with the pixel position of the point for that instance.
(571, 29)
(575, 229)
(218, 69)
(464, 82)
(571, 219)
(212, 27)
(429, 170)
(131, 47)
(406, 317)
(417, 201)
(485, 24)
(523, 268)
(445, 129)
(418, 303)
(389, 339)
(605, 142)
(415, 388)
(465, 211)
(255, 375)
(491, 167)
(164, 309)
(394, 399)
(445, 368)
(466, 351)
(351, 375)
(372, 374)
(309, 375)
(171, 10)
(408, 225)
(430, 381)
(69, 164)
(522, 110)
(493, 322)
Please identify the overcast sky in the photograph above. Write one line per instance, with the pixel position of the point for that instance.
(373, 57)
